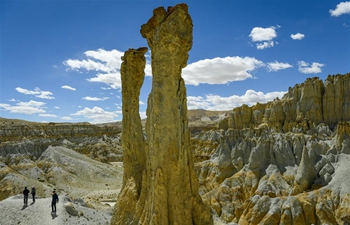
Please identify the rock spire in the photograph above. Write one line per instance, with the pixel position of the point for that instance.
(169, 187)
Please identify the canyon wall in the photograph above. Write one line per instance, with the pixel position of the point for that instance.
(303, 107)
(283, 162)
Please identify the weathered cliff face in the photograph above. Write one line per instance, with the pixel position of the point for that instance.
(169, 191)
(100, 142)
(303, 107)
(283, 162)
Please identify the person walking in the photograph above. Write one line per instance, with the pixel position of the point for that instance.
(54, 201)
(25, 193)
(33, 193)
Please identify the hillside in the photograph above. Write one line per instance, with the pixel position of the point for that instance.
(283, 162)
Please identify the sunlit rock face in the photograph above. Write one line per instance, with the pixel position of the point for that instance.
(169, 188)
(283, 162)
(303, 107)
(133, 143)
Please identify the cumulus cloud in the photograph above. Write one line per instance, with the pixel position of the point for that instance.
(88, 98)
(105, 63)
(143, 115)
(99, 60)
(30, 107)
(111, 79)
(264, 35)
(66, 118)
(275, 66)
(36, 92)
(297, 36)
(48, 115)
(216, 102)
(68, 87)
(307, 68)
(220, 70)
(265, 44)
(341, 8)
(96, 115)
(211, 71)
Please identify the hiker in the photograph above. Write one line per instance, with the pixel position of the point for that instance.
(33, 193)
(25, 193)
(54, 201)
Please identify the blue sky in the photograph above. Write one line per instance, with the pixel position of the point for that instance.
(60, 60)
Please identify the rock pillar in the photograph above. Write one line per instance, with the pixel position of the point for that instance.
(133, 143)
(160, 186)
(172, 186)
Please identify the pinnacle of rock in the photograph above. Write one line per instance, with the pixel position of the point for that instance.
(169, 191)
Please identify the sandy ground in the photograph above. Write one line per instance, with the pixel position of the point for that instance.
(39, 213)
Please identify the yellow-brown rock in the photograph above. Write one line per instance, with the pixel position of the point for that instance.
(304, 106)
(133, 143)
(169, 191)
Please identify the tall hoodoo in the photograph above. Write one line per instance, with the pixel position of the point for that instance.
(132, 76)
(173, 187)
(133, 143)
(168, 194)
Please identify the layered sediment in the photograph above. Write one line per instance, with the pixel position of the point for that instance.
(283, 162)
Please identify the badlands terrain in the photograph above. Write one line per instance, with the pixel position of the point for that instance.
(281, 162)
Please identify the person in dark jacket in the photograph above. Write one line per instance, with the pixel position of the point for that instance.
(33, 193)
(54, 201)
(25, 193)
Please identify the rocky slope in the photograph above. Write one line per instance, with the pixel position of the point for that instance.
(100, 142)
(63, 169)
(283, 162)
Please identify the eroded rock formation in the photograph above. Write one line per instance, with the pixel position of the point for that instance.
(169, 191)
(133, 142)
(303, 107)
(290, 158)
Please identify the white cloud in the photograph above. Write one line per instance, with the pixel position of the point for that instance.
(112, 59)
(220, 70)
(66, 118)
(30, 107)
(36, 92)
(297, 36)
(307, 69)
(57, 107)
(88, 98)
(96, 115)
(111, 79)
(264, 35)
(107, 63)
(48, 115)
(141, 103)
(68, 87)
(13, 100)
(148, 69)
(342, 8)
(265, 44)
(216, 102)
(143, 115)
(275, 66)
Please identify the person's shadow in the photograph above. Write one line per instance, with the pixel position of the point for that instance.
(32, 203)
(53, 215)
(24, 206)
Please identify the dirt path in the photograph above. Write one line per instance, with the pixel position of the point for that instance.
(13, 212)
